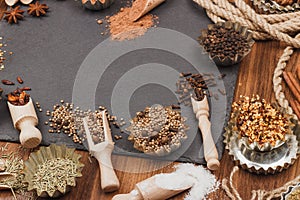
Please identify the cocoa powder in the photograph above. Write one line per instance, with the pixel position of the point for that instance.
(123, 27)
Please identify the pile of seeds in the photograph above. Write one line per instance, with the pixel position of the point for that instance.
(95, 126)
(157, 130)
(189, 83)
(259, 121)
(224, 42)
(69, 120)
(2, 54)
(295, 194)
(55, 174)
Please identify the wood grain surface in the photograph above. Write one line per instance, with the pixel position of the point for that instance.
(255, 77)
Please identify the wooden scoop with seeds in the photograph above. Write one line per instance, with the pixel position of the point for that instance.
(102, 152)
(25, 119)
(201, 109)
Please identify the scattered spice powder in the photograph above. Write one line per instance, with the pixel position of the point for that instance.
(123, 28)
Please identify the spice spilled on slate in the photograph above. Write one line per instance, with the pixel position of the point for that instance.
(64, 118)
(122, 27)
(197, 85)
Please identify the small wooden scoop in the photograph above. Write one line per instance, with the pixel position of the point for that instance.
(25, 119)
(201, 109)
(5, 175)
(102, 152)
(150, 190)
(142, 7)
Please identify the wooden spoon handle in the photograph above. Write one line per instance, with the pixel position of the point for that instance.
(109, 179)
(210, 151)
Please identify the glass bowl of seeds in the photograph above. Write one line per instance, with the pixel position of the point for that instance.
(226, 43)
(260, 126)
(158, 130)
(52, 171)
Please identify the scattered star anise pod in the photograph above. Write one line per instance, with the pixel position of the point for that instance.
(37, 9)
(13, 15)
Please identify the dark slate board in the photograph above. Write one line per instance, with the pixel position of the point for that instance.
(49, 51)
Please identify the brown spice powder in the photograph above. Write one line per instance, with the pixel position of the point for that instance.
(123, 28)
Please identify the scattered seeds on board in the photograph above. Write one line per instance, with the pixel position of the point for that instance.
(64, 118)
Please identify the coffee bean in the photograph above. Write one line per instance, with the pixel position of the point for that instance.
(20, 80)
(25, 88)
(7, 82)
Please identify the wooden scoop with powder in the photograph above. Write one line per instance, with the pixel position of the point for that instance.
(160, 186)
(142, 7)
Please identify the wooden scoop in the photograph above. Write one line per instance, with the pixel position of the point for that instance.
(142, 7)
(102, 152)
(150, 190)
(201, 109)
(25, 119)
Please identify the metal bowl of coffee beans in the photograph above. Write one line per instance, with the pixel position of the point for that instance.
(226, 43)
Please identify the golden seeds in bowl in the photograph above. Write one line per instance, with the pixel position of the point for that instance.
(260, 125)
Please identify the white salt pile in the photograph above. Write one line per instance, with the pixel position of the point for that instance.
(201, 181)
(205, 182)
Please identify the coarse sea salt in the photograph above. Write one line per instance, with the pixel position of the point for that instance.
(205, 181)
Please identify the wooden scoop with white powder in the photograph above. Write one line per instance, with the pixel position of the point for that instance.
(158, 187)
(142, 7)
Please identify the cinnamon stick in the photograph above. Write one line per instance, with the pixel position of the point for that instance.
(293, 85)
(298, 72)
(294, 81)
(296, 107)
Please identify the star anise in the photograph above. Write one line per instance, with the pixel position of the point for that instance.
(13, 15)
(37, 9)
